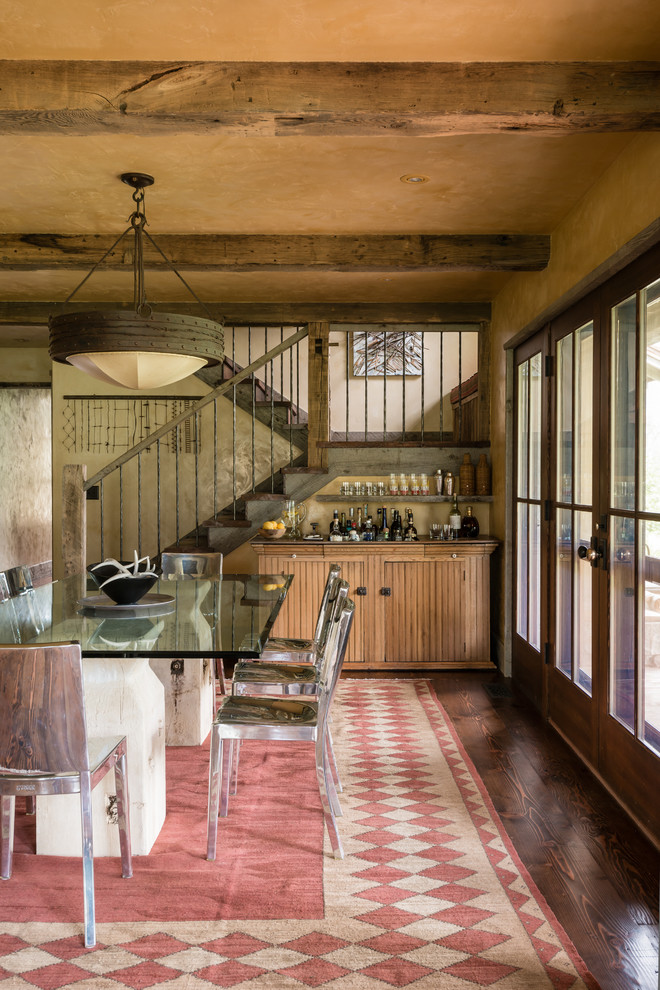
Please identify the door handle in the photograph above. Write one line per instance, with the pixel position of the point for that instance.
(595, 552)
(386, 592)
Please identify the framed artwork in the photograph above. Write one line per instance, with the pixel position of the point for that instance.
(377, 353)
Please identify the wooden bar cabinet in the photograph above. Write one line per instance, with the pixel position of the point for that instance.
(422, 604)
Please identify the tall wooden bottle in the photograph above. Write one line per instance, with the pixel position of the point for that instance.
(483, 476)
(466, 476)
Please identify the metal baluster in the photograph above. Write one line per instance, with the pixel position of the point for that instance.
(442, 404)
(176, 474)
(366, 388)
(233, 425)
(254, 405)
(272, 426)
(101, 500)
(196, 479)
(384, 384)
(348, 401)
(215, 458)
(421, 333)
(403, 389)
(121, 512)
(460, 388)
(158, 492)
(139, 501)
(290, 392)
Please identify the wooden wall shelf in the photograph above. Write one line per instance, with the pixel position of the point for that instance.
(412, 499)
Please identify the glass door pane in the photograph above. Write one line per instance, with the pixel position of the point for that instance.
(574, 487)
(528, 474)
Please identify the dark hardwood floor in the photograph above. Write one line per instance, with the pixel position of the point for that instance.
(595, 868)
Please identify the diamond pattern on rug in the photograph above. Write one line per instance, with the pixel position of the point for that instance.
(431, 894)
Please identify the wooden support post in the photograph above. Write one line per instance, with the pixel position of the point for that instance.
(318, 401)
(483, 364)
(74, 519)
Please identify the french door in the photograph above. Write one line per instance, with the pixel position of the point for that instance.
(586, 643)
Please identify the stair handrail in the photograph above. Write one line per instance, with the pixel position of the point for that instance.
(205, 400)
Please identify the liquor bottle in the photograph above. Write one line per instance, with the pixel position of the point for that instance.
(396, 529)
(359, 525)
(470, 526)
(353, 534)
(342, 525)
(384, 530)
(455, 520)
(335, 531)
(368, 532)
(378, 525)
(410, 531)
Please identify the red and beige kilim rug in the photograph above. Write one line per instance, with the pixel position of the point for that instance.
(430, 896)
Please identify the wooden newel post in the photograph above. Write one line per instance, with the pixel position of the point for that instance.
(74, 519)
(318, 400)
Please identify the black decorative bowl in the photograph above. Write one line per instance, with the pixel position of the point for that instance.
(100, 572)
(125, 590)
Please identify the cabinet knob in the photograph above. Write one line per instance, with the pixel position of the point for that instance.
(454, 556)
(293, 556)
(386, 592)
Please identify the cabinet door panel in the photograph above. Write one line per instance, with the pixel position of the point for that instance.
(352, 571)
(300, 609)
(425, 611)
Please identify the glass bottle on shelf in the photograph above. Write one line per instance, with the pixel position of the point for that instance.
(396, 529)
(335, 531)
(385, 530)
(449, 483)
(470, 525)
(378, 525)
(455, 520)
(410, 531)
(368, 532)
(342, 525)
(359, 525)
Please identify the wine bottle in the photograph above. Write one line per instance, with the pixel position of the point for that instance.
(385, 530)
(396, 529)
(455, 520)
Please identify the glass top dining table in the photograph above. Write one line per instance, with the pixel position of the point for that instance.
(229, 616)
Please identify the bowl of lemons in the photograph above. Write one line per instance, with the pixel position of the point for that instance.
(273, 529)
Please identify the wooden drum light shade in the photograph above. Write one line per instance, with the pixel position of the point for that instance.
(139, 349)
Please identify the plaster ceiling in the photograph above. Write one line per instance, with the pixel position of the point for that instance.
(217, 182)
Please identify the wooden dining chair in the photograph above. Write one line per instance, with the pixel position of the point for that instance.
(284, 719)
(44, 750)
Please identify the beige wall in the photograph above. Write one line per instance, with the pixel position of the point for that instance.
(624, 202)
(25, 456)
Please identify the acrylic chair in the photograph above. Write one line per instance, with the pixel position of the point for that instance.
(197, 565)
(285, 650)
(44, 750)
(281, 719)
(274, 677)
(19, 580)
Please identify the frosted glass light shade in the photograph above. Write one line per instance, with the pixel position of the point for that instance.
(137, 369)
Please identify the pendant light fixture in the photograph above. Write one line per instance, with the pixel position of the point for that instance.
(141, 349)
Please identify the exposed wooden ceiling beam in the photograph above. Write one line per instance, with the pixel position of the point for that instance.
(327, 98)
(284, 253)
(13, 314)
